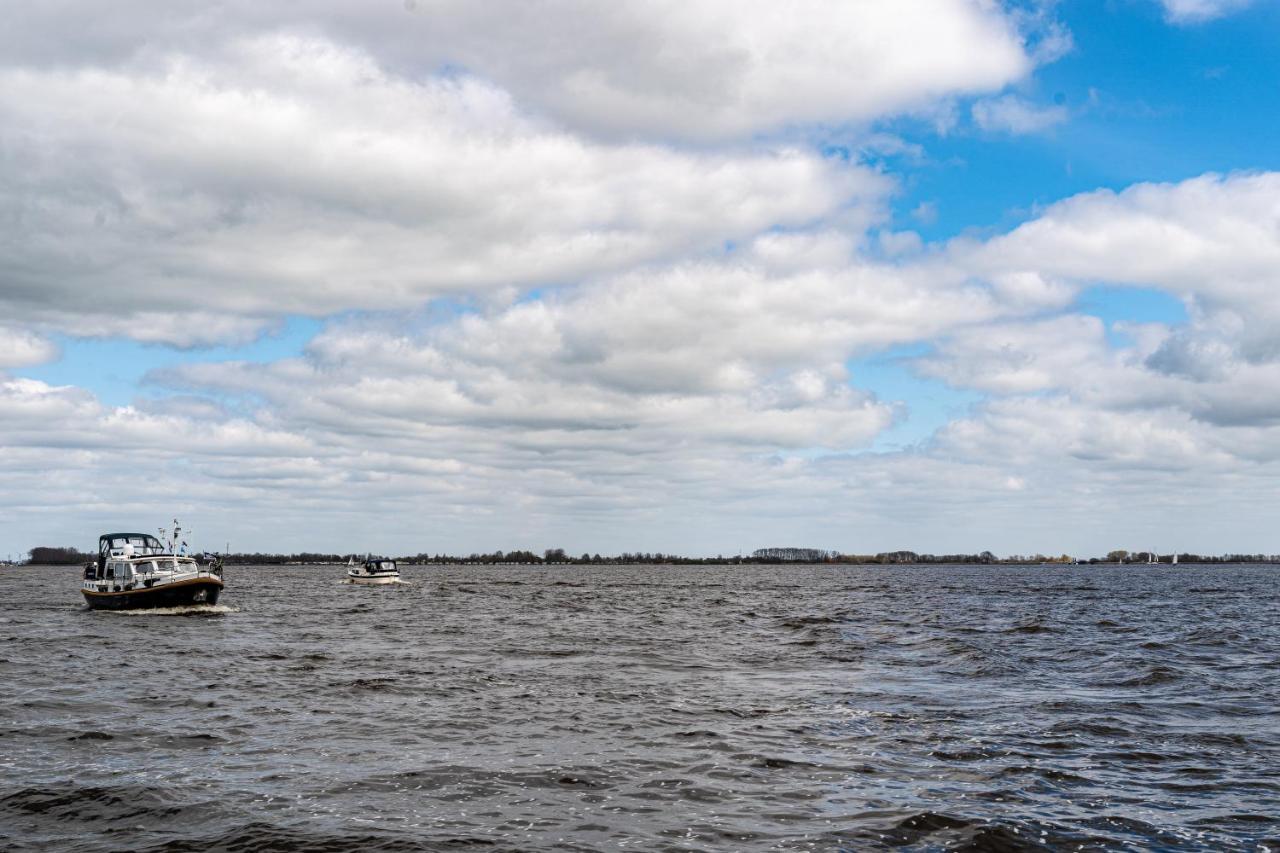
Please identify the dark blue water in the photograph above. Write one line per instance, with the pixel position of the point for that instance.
(705, 708)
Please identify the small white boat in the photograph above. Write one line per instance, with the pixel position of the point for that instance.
(374, 572)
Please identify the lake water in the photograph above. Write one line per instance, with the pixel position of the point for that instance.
(649, 708)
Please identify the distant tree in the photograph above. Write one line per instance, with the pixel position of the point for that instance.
(1117, 556)
(790, 555)
(46, 556)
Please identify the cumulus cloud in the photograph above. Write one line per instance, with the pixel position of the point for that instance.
(742, 352)
(647, 393)
(597, 400)
(1018, 358)
(1213, 241)
(701, 69)
(296, 176)
(651, 297)
(1171, 408)
(21, 348)
(202, 175)
(720, 68)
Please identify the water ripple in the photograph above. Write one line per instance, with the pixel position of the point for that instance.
(691, 708)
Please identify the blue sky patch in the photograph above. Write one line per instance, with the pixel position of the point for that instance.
(1146, 101)
(929, 403)
(114, 368)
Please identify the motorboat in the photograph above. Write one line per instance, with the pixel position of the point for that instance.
(373, 572)
(136, 571)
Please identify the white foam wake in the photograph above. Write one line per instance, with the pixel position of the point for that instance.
(186, 610)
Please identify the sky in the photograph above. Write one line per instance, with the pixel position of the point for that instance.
(686, 276)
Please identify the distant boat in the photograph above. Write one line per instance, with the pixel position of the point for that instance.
(1175, 559)
(374, 573)
(136, 571)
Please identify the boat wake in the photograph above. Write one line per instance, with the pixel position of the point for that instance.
(186, 610)
(396, 582)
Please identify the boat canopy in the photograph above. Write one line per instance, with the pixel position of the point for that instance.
(137, 540)
(143, 544)
(379, 565)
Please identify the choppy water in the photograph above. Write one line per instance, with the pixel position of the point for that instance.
(649, 708)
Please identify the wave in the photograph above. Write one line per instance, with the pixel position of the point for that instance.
(264, 836)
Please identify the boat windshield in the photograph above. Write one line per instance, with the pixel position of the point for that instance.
(141, 543)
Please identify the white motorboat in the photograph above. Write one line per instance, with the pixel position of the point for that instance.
(136, 571)
(374, 572)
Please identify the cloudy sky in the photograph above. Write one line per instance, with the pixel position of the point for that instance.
(682, 275)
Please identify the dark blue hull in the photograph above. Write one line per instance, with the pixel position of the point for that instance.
(180, 594)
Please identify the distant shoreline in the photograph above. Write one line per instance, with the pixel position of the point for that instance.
(45, 555)
(712, 563)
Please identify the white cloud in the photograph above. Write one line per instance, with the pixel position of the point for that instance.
(296, 176)
(1213, 241)
(721, 69)
(750, 352)
(1019, 358)
(702, 69)
(1175, 415)
(1197, 11)
(718, 390)
(1015, 114)
(683, 377)
(21, 348)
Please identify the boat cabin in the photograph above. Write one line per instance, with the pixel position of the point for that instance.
(374, 570)
(126, 557)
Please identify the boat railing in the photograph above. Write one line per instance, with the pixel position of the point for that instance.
(148, 578)
(196, 571)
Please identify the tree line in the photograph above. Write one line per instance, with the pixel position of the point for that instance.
(52, 556)
(47, 556)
